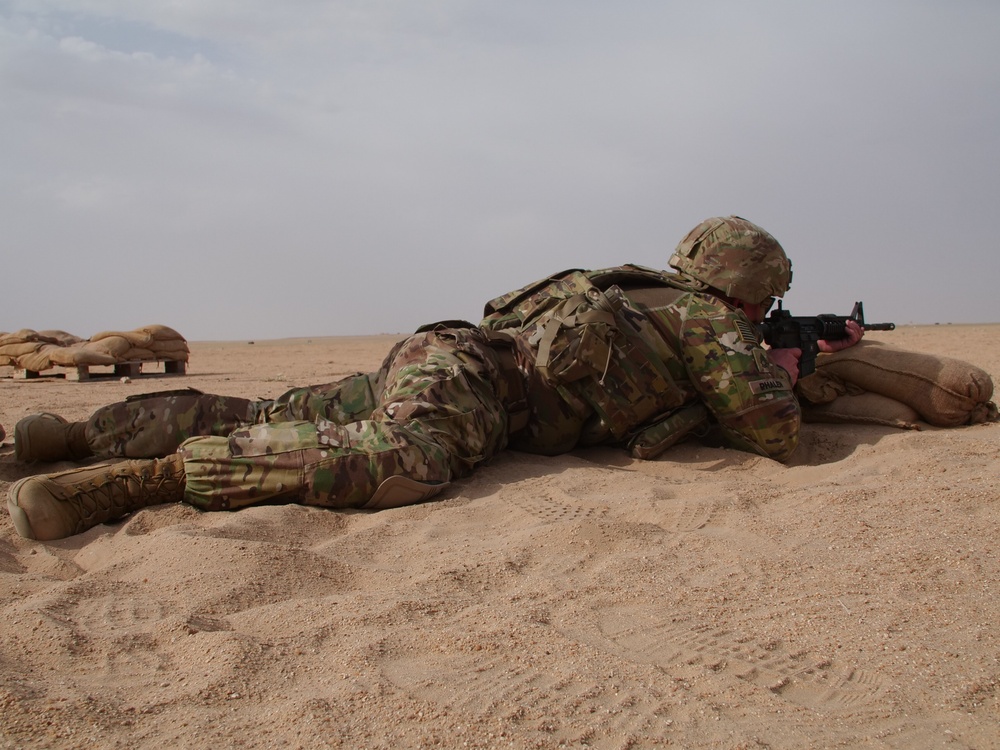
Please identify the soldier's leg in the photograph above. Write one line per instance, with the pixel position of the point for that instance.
(438, 417)
(146, 426)
(55, 506)
(348, 400)
(156, 424)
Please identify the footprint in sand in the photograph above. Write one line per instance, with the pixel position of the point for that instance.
(798, 676)
(532, 694)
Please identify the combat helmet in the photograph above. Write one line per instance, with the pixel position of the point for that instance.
(736, 257)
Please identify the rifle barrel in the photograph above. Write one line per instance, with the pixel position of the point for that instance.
(879, 326)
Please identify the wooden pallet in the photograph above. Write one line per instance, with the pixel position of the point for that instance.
(93, 372)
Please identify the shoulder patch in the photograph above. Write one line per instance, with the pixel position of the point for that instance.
(747, 331)
(767, 386)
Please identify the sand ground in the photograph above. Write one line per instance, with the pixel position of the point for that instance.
(709, 599)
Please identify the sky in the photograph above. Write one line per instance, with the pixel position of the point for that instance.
(272, 169)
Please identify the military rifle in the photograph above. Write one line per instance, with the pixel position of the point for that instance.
(782, 330)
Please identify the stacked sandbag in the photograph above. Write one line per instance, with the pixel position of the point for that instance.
(874, 382)
(51, 355)
(13, 345)
(30, 344)
(153, 342)
(39, 351)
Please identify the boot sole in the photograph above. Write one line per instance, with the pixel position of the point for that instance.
(17, 514)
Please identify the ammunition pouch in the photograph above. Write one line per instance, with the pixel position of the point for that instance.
(651, 441)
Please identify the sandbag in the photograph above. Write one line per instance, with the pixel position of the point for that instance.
(116, 346)
(819, 388)
(944, 391)
(136, 354)
(177, 355)
(19, 337)
(38, 360)
(78, 356)
(176, 349)
(151, 337)
(59, 337)
(159, 332)
(18, 349)
(134, 338)
(863, 408)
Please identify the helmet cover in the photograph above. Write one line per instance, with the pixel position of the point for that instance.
(736, 257)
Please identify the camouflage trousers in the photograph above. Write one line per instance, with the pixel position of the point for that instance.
(432, 413)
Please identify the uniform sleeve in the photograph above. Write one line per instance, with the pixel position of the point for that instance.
(751, 398)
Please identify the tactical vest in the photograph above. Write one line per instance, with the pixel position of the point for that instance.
(591, 346)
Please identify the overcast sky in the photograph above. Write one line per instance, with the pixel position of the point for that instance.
(263, 169)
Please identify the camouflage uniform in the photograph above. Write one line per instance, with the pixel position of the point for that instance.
(726, 370)
(434, 411)
(633, 356)
(626, 356)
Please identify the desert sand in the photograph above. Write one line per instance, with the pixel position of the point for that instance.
(708, 599)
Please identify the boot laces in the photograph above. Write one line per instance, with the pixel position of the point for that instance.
(118, 492)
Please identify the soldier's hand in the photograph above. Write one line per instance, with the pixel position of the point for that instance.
(854, 334)
(787, 360)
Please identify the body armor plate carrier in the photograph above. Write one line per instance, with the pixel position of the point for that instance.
(590, 345)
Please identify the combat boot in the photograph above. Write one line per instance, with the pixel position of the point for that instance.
(55, 506)
(49, 437)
